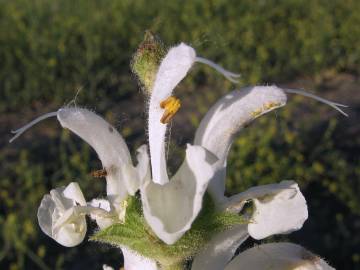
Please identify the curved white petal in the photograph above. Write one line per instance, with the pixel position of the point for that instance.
(108, 144)
(172, 70)
(73, 192)
(225, 120)
(220, 249)
(282, 213)
(279, 256)
(236, 202)
(133, 261)
(59, 218)
(170, 209)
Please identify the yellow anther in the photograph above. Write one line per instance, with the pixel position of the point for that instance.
(171, 106)
(266, 107)
(257, 112)
(271, 105)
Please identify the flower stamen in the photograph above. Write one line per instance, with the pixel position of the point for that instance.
(171, 106)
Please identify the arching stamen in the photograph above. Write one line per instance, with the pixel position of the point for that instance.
(21, 130)
(323, 100)
(228, 74)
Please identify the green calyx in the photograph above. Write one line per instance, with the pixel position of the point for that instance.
(147, 59)
(136, 234)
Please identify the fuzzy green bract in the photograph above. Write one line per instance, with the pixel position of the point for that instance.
(146, 60)
(136, 234)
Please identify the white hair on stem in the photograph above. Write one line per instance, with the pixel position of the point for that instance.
(227, 74)
(21, 130)
(323, 100)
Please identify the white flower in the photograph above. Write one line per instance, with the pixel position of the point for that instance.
(171, 206)
(184, 193)
(61, 215)
(219, 252)
(279, 208)
(122, 177)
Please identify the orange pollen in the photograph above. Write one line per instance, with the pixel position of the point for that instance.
(171, 105)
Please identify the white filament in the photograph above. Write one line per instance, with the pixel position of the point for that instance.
(21, 130)
(228, 74)
(323, 100)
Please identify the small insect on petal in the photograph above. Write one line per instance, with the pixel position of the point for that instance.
(99, 173)
(171, 106)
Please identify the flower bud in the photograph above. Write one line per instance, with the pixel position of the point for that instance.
(147, 59)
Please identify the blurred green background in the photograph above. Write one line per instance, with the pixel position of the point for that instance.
(51, 51)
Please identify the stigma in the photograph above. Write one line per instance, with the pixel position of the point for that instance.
(171, 106)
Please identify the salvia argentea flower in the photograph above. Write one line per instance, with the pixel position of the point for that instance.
(62, 215)
(170, 206)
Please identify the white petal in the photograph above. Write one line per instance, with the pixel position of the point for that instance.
(45, 211)
(172, 70)
(137, 174)
(70, 229)
(227, 118)
(235, 202)
(106, 141)
(220, 249)
(281, 213)
(71, 235)
(279, 256)
(101, 203)
(130, 179)
(143, 166)
(170, 209)
(102, 220)
(73, 192)
(133, 261)
(59, 219)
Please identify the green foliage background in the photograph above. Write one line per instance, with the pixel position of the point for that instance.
(49, 50)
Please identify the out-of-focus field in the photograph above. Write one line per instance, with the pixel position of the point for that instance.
(51, 51)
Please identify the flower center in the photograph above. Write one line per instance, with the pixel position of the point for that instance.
(171, 106)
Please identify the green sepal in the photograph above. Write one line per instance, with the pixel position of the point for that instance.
(136, 234)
